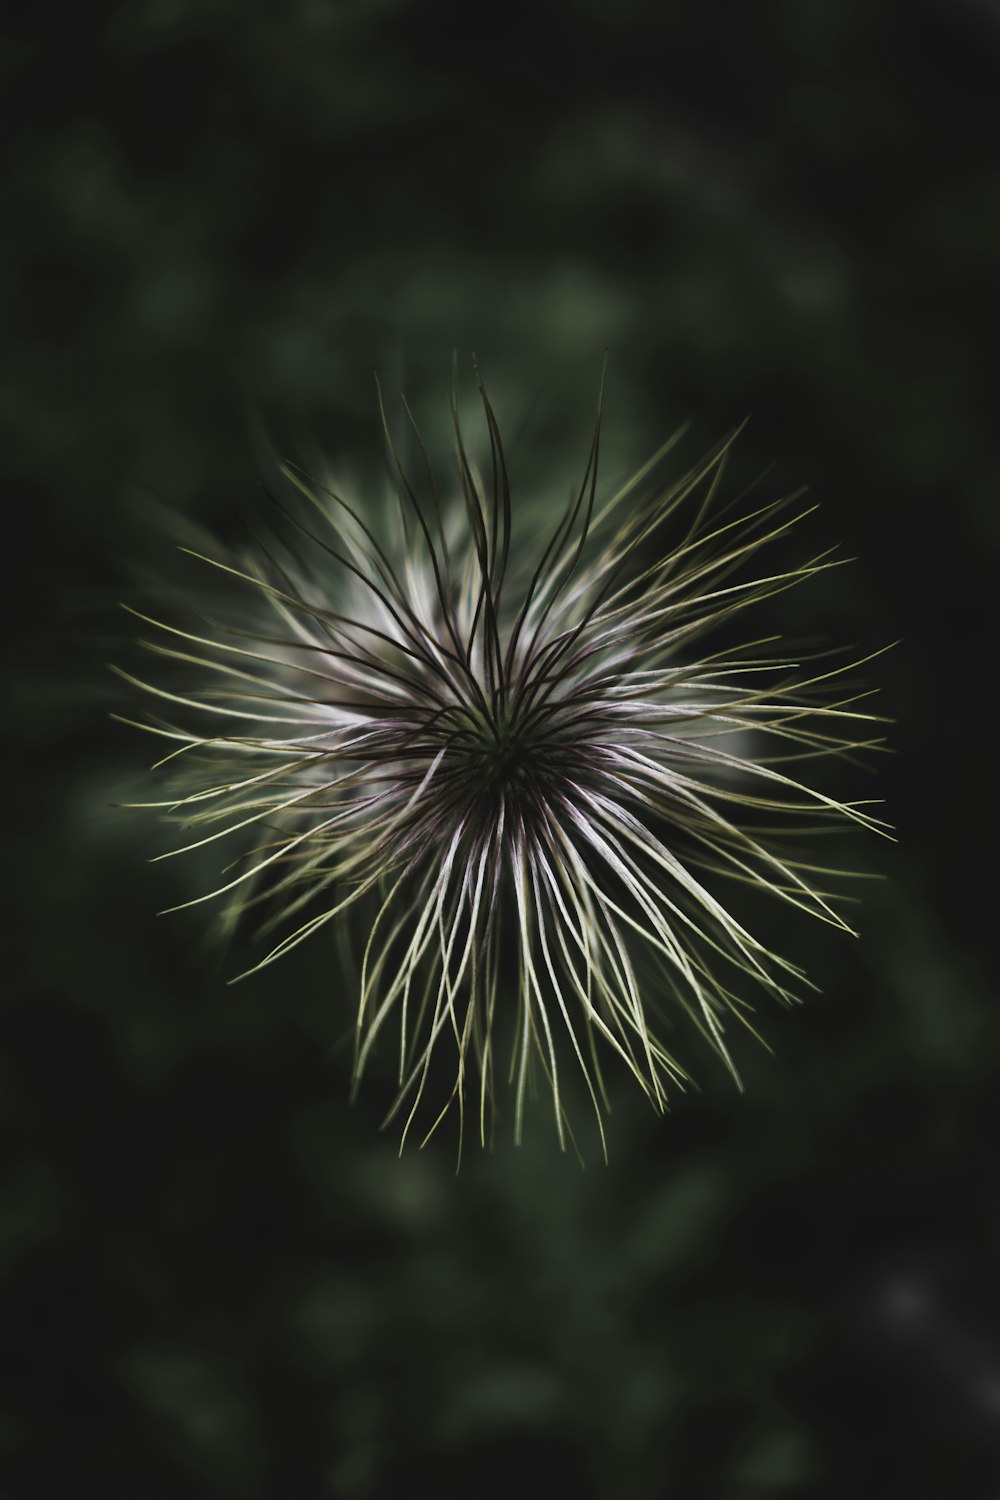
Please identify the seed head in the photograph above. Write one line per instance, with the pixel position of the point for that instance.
(507, 751)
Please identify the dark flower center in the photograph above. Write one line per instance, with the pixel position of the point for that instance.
(515, 767)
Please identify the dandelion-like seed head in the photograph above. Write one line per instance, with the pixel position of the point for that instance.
(504, 755)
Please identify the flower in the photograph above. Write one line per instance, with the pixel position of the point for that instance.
(509, 749)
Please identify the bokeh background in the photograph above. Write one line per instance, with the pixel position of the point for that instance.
(219, 1280)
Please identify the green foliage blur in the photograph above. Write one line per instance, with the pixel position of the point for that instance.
(220, 1282)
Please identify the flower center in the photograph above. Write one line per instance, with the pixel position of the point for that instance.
(512, 767)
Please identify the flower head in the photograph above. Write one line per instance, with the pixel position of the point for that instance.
(508, 750)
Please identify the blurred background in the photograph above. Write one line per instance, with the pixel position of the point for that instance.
(219, 1279)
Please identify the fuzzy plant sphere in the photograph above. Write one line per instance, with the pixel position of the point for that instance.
(499, 755)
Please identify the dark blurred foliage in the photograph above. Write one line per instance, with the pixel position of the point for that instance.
(220, 1281)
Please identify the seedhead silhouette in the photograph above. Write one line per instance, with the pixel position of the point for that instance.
(506, 758)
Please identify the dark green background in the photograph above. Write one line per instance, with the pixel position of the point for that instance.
(220, 1280)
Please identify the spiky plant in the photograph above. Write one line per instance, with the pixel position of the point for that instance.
(511, 751)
